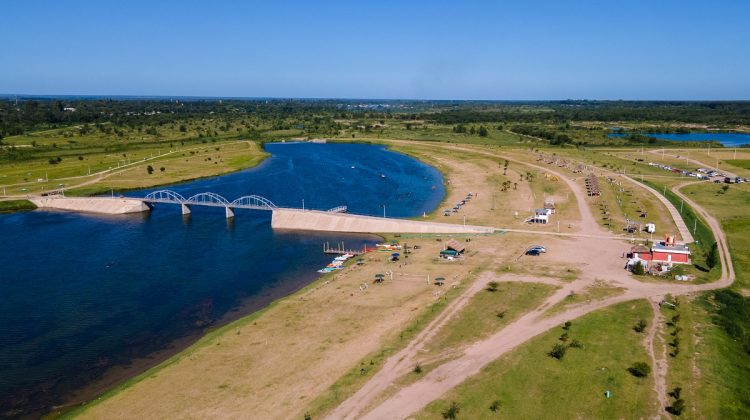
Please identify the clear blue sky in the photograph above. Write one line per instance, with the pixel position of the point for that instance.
(512, 49)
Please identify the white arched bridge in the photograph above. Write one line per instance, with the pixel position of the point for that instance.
(251, 202)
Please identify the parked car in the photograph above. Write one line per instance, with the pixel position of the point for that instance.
(534, 252)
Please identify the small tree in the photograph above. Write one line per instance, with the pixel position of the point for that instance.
(495, 406)
(640, 326)
(567, 325)
(712, 259)
(638, 269)
(162, 169)
(640, 369)
(676, 393)
(483, 131)
(677, 407)
(558, 351)
(492, 286)
(418, 368)
(451, 412)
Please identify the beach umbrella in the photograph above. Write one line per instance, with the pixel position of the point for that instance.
(395, 254)
(379, 276)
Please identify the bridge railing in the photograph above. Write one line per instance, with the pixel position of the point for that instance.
(339, 209)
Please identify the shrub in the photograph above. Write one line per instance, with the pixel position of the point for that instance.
(452, 411)
(418, 368)
(567, 325)
(640, 369)
(492, 286)
(576, 344)
(558, 351)
(677, 407)
(638, 269)
(150, 169)
(640, 326)
(495, 406)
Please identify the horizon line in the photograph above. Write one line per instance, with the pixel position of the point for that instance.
(333, 98)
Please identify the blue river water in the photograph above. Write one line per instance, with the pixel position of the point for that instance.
(727, 139)
(84, 296)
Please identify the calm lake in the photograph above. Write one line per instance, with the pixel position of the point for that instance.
(88, 300)
(727, 139)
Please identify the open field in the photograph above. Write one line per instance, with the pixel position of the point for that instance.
(129, 170)
(528, 383)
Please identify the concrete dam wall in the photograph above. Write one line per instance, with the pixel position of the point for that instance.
(341, 222)
(101, 205)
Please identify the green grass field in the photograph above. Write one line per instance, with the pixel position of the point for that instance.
(488, 312)
(530, 384)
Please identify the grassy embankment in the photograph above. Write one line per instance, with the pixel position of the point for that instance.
(528, 383)
(15, 205)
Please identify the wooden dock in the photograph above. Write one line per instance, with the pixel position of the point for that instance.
(340, 249)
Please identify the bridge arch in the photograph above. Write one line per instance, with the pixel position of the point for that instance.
(208, 198)
(165, 196)
(253, 201)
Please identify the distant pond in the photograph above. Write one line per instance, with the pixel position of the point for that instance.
(727, 139)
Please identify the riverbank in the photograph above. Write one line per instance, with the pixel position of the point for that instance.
(9, 206)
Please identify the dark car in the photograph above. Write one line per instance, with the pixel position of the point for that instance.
(534, 252)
